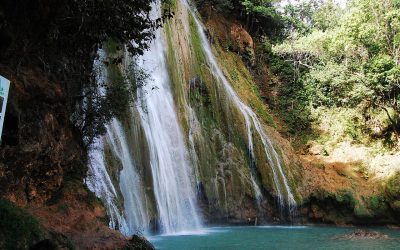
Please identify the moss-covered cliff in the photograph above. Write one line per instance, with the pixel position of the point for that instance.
(338, 180)
(215, 126)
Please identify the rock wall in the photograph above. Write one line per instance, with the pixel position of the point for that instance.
(43, 162)
(39, 146)
(42, 167)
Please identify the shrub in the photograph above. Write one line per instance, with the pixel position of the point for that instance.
(377, 203)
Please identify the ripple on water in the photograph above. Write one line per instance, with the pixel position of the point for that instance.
(273, 237)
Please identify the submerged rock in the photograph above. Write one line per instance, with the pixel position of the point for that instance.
(362, 234)
(139, 242)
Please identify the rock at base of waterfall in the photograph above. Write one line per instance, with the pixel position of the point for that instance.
(361, 234)
(139, 242)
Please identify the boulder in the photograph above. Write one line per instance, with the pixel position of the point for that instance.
(362, 234)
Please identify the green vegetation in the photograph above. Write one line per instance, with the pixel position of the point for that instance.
(121, 82)
(342, 63)
(393, 187)
(260, 16)
(18, 229)
(344, 197)
(377, 203)
(62, 38)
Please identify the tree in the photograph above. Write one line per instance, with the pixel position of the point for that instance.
(62, 37)
(260, 16)
(348, 58)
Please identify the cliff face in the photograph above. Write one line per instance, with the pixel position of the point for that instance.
(42, 166)
(43, 161)
(237, 181)
(349, 185)
(39, 147)
(228, 174)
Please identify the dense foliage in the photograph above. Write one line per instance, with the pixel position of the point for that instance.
(62, 38)
(343, 59)
(260, 16)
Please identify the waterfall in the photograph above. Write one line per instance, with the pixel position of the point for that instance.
(99, 182)
(145, 168)
(172, 178)
(132, 218)
(169, 159)
(98, 179)
(252, 122)
(129, 181)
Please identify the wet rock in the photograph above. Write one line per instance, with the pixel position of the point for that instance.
(39, 147)
(362, 234)
(139, 242)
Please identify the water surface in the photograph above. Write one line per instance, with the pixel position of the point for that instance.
(274, 237)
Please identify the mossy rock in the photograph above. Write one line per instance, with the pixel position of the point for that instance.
(392, 192)
(361, 211)
(395, 205)
(393, 186)
(342, 197)
(18, 228)
(377, 204)
(346, 196)
(139, 242)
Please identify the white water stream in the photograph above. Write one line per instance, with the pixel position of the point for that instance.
(130, 183)
(173, 176)
(251, 122)
(99, 182)
(174, 184)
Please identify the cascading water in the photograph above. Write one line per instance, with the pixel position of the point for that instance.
(171, 171)
(133, 218)
(173, 183)
(171, 167)
(98, 179)
(251, 121)
(99, 182)
(131, 187)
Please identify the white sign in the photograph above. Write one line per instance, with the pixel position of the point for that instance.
(4, 87)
